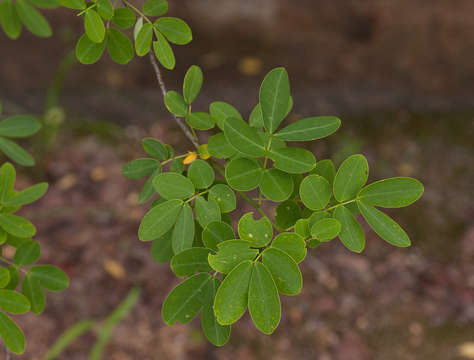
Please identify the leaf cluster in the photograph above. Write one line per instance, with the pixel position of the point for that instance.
(228, 273)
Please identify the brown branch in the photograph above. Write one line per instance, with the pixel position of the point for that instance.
(179, 121)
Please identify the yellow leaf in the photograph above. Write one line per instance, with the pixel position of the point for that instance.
(190, 158)
(114, 268)
(203, 152)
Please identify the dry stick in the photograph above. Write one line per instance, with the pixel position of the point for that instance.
(179, 121)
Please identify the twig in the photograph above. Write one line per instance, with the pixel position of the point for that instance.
(179, 121)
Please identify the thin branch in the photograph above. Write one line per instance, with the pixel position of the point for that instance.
(179, 121)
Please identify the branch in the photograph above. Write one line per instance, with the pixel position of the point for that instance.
(179, 121)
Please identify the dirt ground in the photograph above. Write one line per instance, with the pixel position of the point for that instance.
(398, 74)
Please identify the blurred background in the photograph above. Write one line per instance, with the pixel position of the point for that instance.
(399, 73)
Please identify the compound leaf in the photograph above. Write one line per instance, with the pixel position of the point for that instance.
(276, 185)
(183, 232)
(224, 196)
(291, 243)
(257, 232)
(12, 335)
(175, 30)
(187, 262)
(293, 160)
(243, 174)
(231, 253)
(192, 83)
(173, 186)
(315, 192)
(216, 232)
(274, 98)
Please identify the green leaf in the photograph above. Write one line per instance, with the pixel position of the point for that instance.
(243, 138)
(200, 120)
(243, 174)
(139, 168)
(94, 25)
(284, 270)
(264, 302)
(257, 232)
(50, 277)
(274, 97)
(219, 147)
(161, 250)
(325, 168)
(27, 196)
(302, 228)
(231, 253)
(291, 243)
(175, 103)
(311, 128)
(87, 51)
(326, 229)
(32, 290)
(19, 126)
(175, 30)
(124, 18)
(392, 193)
(44, 4)
(105, 9)
(27, 254)
(185, 300)
(192, 83)
(201, 174)
(32, 19)
(177, 166)
(12, 335)
(232, 296)
(119, 46)
(155, 148)
(17, 226)
(384, 226)
(287, 213)
(9, 19)
(217, 334)
(7, 181)
(276, 185)
(256, 117)
(187, 262)
(138, 26)
(13, 302)
(316, 216)
(220, 111)
(293, 160)
(15, 152)
(164, 52)
(315, 192)
(14, 278)
(224, 196)
(73, 4)
(351, 234)
(148, 190)
(173, 186)
(144, 39)
(206, 211)
(155, 7)
(183, 232)
(216, 232)
(159, 220)
(350, 177)
(4, 277)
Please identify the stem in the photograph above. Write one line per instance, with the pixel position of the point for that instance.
(196, 195)
(341, 204)
(265, 160)
(6, 261)
(179, 121)
(173, 158)
(131, 6)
